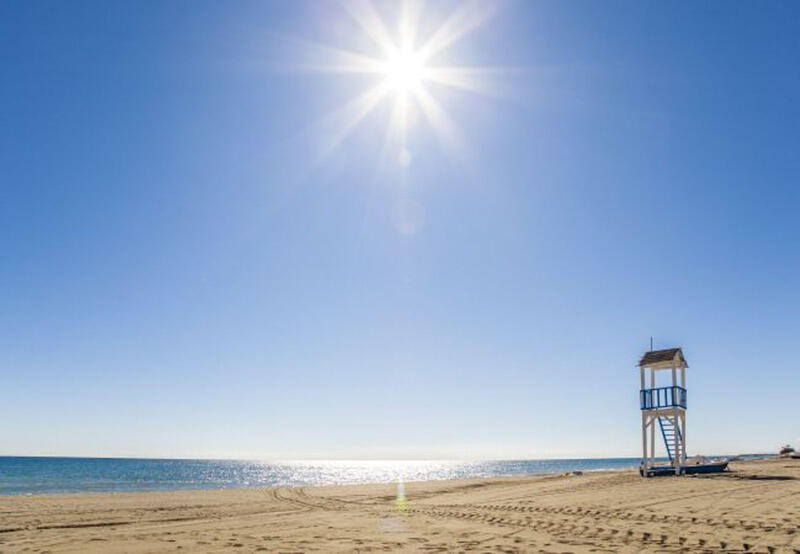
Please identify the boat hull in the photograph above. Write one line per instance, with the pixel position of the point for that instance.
(716, 467)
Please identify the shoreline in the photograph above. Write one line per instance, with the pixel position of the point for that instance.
(102, 475)
(37, 476)
(492, 478)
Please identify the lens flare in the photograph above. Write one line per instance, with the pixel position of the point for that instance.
(400, 503)
(404, 70)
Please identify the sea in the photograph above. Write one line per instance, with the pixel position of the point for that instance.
(45, 475)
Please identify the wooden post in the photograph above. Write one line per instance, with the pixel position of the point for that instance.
(683, 432)
(676, 460)
(645, 461)
(683, 416)
(644, 426)
(652, 420)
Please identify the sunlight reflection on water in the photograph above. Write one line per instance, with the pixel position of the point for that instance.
(19, 475)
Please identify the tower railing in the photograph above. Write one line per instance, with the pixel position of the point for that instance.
(663, 397)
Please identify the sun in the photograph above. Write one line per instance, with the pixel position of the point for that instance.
(405, 70)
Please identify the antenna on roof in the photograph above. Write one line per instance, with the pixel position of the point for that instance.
(651, 344)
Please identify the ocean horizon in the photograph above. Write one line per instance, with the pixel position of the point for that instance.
(20, 475)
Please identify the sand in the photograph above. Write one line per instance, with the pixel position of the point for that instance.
(754, 508)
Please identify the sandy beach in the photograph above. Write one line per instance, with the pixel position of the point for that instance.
(753, 508)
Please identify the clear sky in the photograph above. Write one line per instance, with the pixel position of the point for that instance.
(203, 254)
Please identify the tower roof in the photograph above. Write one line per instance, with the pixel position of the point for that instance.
(662, 356)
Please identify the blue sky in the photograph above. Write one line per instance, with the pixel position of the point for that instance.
(184, 273)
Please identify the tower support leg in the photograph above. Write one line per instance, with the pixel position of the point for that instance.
(645, 461)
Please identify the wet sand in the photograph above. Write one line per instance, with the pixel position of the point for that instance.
(753, 508)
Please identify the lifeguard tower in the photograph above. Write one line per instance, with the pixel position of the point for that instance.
(663, 404)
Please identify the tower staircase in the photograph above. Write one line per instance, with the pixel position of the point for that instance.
(669, 431)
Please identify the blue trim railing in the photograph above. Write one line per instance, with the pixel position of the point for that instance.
(662, 397)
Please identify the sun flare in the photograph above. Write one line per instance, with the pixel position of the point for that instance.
(406, 71)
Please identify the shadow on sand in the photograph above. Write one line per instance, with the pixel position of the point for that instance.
(745, 477)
